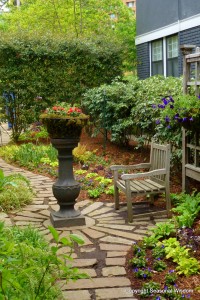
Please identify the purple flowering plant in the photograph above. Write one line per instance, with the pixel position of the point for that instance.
(183, 111)
(143, 273)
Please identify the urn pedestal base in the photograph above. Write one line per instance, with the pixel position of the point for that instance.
(67, 222)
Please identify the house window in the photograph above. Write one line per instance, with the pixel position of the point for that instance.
(130, 4)
(157, 57)
(172, 56)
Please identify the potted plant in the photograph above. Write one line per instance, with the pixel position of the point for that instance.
(63, 121)
(64, 125)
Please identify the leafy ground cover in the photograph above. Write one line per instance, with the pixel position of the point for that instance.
(166, 265)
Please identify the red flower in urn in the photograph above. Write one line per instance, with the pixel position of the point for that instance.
(63, 120)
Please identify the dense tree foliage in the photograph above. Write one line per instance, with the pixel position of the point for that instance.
(110, 19)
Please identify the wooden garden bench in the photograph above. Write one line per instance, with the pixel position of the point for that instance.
(154, 181)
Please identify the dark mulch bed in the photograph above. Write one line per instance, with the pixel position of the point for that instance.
(189, 286)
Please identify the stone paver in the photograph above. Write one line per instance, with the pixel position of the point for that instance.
(115, 218)
(91, 208)
(22, 218)
(107, 234)
(87, 250)
(115, 261)
(94, 234)
(90, 272)
(122, 227)
(97, 283)
(113, 293)
(75, 295)
(112, 221)
(116, 253)
(112, 214)
(113, 271)
(81, 234)
(29, 214)
(119, 233)
(84, 262)
(114, 247)
(116, 240)
(100, 211)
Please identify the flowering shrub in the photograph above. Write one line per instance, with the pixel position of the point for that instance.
(184, 111)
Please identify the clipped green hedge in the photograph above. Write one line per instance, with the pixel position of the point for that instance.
(43, 71)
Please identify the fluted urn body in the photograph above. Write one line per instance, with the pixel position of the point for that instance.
(65, 135)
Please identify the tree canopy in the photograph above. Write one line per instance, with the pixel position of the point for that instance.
(83, 19)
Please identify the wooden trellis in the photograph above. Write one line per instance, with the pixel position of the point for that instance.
(190, 142)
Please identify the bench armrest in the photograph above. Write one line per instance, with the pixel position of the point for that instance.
(146, 174)
(130, 167)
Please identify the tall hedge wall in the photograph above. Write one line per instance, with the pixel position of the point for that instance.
(56, 69)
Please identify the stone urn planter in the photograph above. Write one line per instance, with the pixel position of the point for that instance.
(64, 130)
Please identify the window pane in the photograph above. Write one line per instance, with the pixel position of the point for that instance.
(157, 50)
(172, 46)
(172, 67)
(157, 68)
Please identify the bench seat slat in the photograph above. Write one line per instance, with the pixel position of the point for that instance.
(159, 186)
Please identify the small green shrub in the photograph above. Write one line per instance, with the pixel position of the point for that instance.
(150, 241)
(170, 277)
(148, 287)
(158, 251)
(163, 229)
(142, 273)
(187, 209)
(138, 262)
(15, 192)
(159, 265)
(95, 193)
(30, 268)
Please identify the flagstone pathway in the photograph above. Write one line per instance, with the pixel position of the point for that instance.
(107, 237)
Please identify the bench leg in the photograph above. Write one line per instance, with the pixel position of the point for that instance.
(116, 197)
(168, 203)
(129, 208)
(152, 199)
